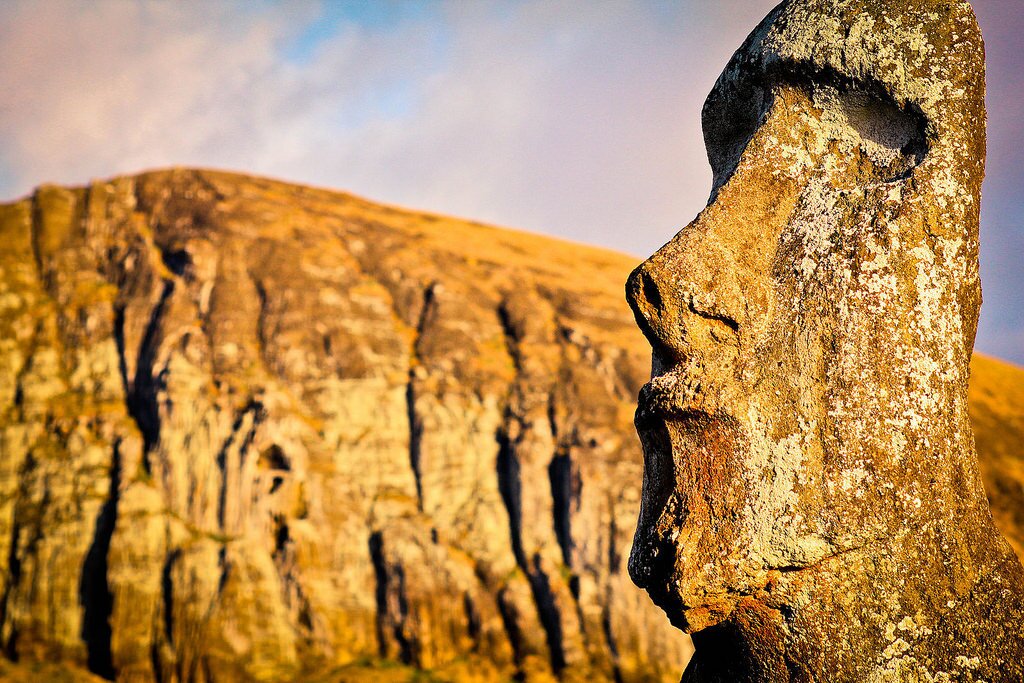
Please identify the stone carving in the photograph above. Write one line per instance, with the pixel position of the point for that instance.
(812, 508)
(138, 315)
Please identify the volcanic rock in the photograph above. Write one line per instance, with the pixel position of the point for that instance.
(254, 431)
(812, 505)
(257, 431)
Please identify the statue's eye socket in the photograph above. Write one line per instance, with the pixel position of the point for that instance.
(730, 125)
(893, 138)
(739, 126)
(890, 137)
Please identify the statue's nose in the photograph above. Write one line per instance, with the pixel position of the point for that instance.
(655, 308)
(691, 292)
(712, 284)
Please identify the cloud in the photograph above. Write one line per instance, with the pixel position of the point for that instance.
(108, 86)
(575, 119)
(568, 117)
(580, 118)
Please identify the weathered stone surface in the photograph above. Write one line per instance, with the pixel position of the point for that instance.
(254, 431)
(205, 457)
(812, 506)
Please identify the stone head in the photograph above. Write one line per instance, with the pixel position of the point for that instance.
(812, 327)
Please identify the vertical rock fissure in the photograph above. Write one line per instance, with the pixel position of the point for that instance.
(380, 575)
(167, 594)
(415, 433)
(225, 574)
(406, 648)
(155, 662)
(515, 636)
(9, 629)
(553, 416)
(94, 588)
(141, 390)
(293, 594)
(261, 319)
(473, 626)
(35, 225)
(561, 477)
(550, 616)
(510, 488)
(254, 408)
(165, 620)
(614, 556)
(415, 426)
(508, 331)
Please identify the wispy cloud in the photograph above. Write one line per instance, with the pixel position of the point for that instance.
(110, 86)
(576, 119)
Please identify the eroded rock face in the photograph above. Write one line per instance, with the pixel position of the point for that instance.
(119, 446)
(252, 431)
(812, 506)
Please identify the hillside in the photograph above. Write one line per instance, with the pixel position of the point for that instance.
(257, 431)
(997, 412)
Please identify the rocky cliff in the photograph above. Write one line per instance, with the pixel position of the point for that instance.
(997, 413)
(252, 430)
(257, 431)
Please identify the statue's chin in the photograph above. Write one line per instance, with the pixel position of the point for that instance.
(690, 613)
(713, 613)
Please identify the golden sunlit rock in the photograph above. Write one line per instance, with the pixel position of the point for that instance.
(258, 431)
(812, 506)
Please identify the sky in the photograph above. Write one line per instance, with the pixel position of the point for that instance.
(578, 119)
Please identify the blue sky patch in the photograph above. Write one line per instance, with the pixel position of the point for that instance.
(371, 15)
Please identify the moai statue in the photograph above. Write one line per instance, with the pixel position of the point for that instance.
(812, 508)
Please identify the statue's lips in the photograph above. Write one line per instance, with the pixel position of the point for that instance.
(674, 392)
(678, 421)
(672, 397)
